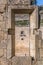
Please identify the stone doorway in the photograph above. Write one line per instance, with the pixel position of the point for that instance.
(32, 13)
(20, 25)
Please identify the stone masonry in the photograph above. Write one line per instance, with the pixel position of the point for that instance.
(20, 44)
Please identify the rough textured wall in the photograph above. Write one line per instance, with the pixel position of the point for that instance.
(5, 39)
(3, 32)
(41, 33)
(21, 60)
(19, 1)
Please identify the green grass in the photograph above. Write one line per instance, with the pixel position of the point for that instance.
(41, 22)
(20, 22)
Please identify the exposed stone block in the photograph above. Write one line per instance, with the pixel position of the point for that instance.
(1, 17)
(1, 35)
(1, 53)
(19, 1)
(3, 1)
(4, 61)
(21, 60)
(41, 53)
(40, 62)
(2, 8)
(2, 25)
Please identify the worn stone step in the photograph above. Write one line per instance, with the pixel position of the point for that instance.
(24, 60)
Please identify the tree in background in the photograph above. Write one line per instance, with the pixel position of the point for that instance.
(34, 2)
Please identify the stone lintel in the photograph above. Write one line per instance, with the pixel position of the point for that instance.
(23, 9)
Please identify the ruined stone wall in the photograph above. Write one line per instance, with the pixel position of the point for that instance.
(3, 31)
(41, 34)
(19, 1)
(5, 39)
(5, 24)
